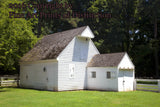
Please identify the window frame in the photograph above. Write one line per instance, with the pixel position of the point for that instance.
(93, 74)
(108, 74)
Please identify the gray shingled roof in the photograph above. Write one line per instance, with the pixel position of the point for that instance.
(50, 46)
(106, 60)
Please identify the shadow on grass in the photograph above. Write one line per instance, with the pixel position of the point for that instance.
(33, 89)
(2, 88)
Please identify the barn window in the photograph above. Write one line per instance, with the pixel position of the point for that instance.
(93, 74)
(71, 70)
(108, 75)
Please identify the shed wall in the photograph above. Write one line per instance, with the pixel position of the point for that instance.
(101, 82)
(32, 75)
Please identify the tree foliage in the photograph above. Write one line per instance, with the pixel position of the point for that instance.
(16, 38)
(133, 27)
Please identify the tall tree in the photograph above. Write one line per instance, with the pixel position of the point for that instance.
(16, 37)
(115, 31)
(46, 24)
(148, 15)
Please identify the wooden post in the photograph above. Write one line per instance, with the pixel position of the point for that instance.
(158, 85)
(134, 84)
(18, 81)
(1, 81)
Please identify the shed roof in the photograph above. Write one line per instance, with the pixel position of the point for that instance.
(106, 60)
(50, 46)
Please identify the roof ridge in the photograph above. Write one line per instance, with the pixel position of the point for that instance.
(66, 30)
(113, 53)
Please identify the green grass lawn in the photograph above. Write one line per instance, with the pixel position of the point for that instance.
(16, 97)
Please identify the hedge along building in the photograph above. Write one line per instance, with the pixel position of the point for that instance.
(69, 60)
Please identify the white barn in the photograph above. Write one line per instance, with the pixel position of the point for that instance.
(69, 60)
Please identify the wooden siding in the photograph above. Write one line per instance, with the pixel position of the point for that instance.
(78, 52)
(126, 63)
(101, 82)
(87, 33)
(92, 50)
(34, 76)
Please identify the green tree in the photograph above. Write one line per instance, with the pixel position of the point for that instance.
(115, 31)
(133, 27)
(147, 22)
(16, 38)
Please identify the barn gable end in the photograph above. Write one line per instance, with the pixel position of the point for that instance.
(126, 63)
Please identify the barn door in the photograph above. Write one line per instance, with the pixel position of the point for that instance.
(124, 81)
(127, 80)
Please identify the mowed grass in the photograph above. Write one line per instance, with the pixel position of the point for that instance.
(16, 97)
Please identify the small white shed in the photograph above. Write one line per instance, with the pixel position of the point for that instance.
(113, 72)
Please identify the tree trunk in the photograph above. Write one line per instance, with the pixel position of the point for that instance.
(39, 27)
(156, 49)
(156, 63)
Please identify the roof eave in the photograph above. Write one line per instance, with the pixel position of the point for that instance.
(103, 66)
(39, 61)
